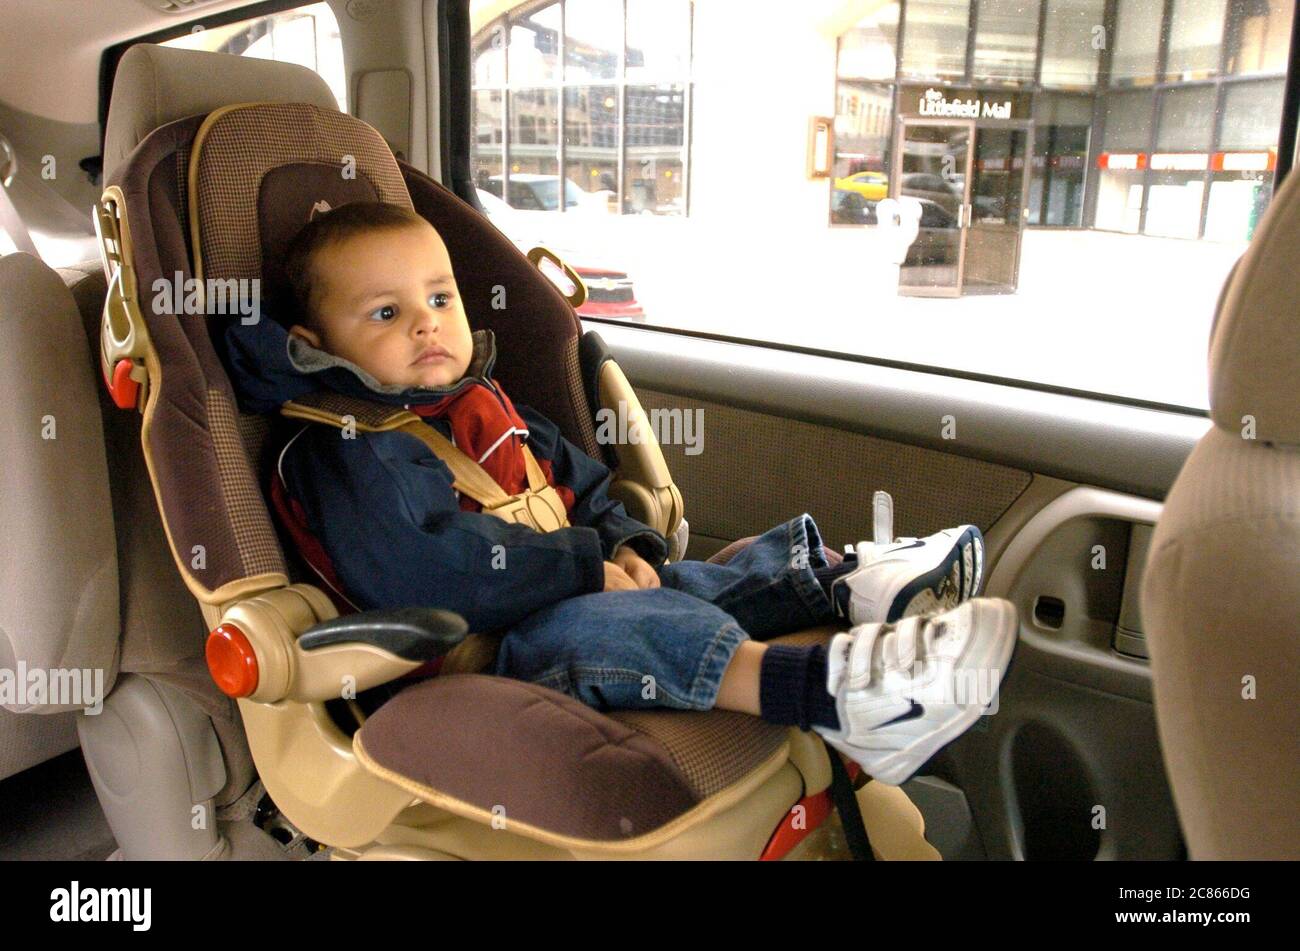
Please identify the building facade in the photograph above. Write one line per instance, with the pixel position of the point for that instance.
(1156, 117)
(1145, 116)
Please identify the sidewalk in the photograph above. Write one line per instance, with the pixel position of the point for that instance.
(1112, 313)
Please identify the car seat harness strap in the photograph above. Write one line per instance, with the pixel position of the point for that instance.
(846, 803)
(539, 506)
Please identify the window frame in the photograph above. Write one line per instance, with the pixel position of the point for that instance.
(112, 55)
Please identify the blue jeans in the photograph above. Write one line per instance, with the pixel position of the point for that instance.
(668, 646)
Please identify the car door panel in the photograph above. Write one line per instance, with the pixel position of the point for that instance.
(1070, 765)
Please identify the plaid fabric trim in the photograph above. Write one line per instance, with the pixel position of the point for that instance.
(253, 430)
(714, 749)
(259, 551)
(578, 397)
(183, 194)
(244, 144)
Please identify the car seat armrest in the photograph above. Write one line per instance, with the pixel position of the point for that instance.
(641, 480)
(290, 644)
(420, 634)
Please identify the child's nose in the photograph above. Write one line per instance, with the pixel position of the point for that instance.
(427, 320)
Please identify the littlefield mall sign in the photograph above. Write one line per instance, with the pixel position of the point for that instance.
(931, 103)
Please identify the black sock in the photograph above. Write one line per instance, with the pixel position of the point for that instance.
(827, 576)
(792, 687)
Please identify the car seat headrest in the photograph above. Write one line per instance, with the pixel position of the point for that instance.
(259, 172)
(1255, 344)
(155, 85)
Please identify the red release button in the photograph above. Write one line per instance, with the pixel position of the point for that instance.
(122, 388)
(231, 661)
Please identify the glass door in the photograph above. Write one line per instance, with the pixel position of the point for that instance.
(931, 180)
(997, 210)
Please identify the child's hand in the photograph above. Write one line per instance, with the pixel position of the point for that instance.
(636, 568)
(616, 579)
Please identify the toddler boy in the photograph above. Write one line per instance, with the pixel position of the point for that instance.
(591, 608)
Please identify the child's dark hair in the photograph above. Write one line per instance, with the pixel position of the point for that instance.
(346, 221)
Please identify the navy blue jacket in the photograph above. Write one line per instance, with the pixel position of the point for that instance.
(383, 507)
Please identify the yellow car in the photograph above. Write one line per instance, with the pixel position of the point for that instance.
(870, 185)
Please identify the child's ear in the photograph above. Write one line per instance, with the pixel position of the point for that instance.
(303, 333)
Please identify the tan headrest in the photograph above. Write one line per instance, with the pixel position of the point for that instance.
(155, 85)
(1255, 346)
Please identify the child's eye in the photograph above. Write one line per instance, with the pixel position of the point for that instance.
(387, 312)
(440, 299)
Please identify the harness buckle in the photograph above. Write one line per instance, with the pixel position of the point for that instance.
(123, 337)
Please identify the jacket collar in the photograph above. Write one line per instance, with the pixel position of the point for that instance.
(309, 361)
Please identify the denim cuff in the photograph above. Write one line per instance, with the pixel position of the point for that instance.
(649, 544)
(804, 532)
(714, 662)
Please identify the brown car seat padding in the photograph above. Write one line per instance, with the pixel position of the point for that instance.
(536, 329)
(563, 773)
(195, 439)
(222, 540)
(258, 170)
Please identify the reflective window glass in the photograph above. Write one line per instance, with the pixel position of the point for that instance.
(1072, 42)
(934, 44)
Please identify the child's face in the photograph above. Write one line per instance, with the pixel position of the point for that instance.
(388, 302)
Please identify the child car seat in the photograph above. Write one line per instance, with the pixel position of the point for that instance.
(436, 771)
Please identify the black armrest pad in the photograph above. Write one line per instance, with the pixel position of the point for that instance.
(593, 353)
(419, 634)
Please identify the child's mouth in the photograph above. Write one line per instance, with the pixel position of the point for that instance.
(434, 355)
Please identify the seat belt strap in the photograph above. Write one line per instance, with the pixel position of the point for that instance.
(536, 478)
(540, 506)
(846, 804)
(12, 222)
(468, 477)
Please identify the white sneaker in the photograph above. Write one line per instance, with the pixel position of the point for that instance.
(899, 577)
(903, 691)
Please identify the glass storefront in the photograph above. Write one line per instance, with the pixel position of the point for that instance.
(601, 89)
(1155, 117)
(1062, 135)
(1073, 38)
(1152, 117)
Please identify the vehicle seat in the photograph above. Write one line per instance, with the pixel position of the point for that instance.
(216, 197)
(88, 589)
(58, 593)
(1221, 596)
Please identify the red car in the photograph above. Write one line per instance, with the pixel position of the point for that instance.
(610, 292)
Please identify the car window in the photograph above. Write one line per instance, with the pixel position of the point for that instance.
(523, 196)
(1047, 191)
(306, 35)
